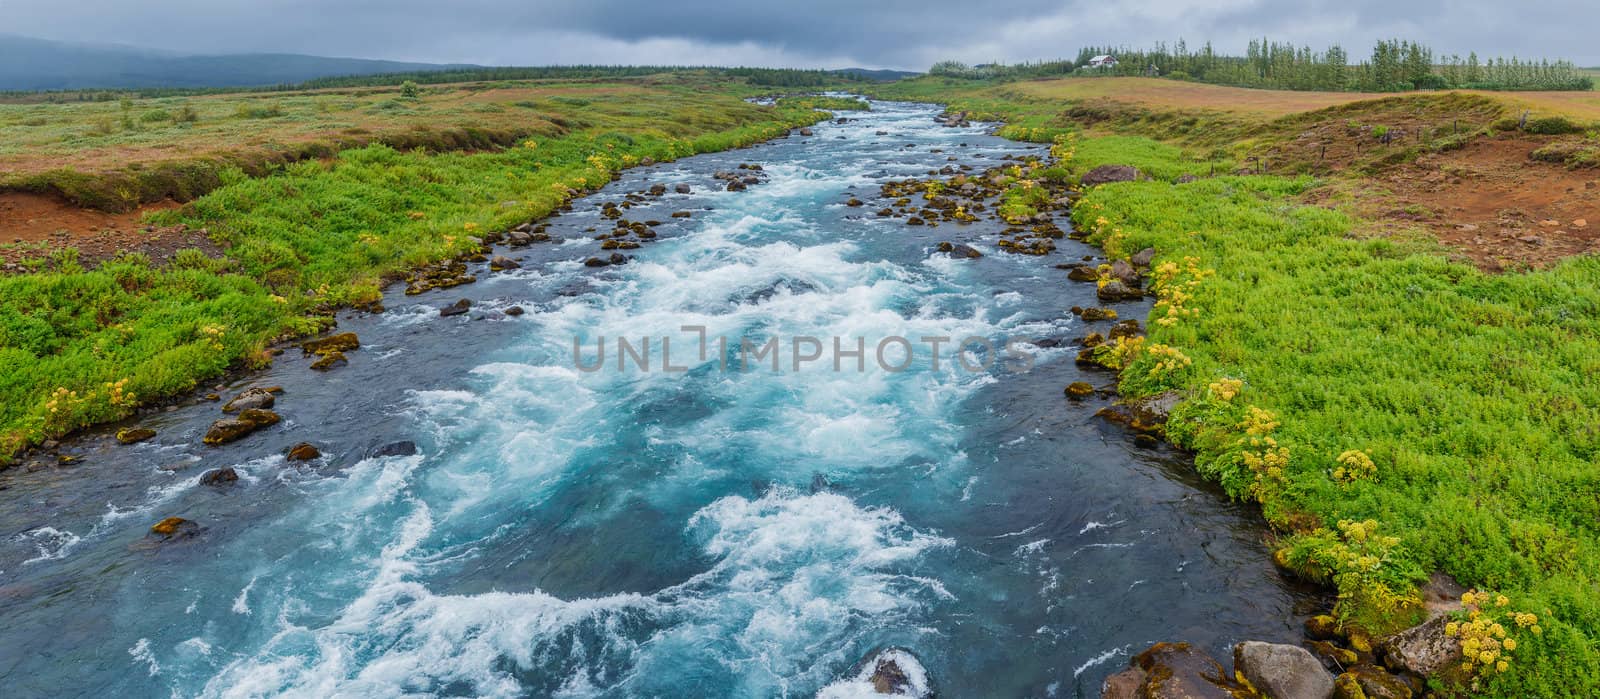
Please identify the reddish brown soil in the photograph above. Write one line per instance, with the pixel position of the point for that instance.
(32, 225)
(1499, 208)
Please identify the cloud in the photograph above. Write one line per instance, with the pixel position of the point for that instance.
(827, 33)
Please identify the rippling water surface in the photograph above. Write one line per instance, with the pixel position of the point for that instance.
(649, 533)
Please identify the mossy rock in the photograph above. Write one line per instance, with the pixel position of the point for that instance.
(303, 451)
(133, 435)
(329, 361)
(1078, 390)
(343, 342)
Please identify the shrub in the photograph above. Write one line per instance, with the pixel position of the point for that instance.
(409, 90)
(1552, 126)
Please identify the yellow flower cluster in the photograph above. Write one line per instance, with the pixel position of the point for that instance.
(599, 162)
(1259, 422)
(213, 335)
(118, 394)
(1486, 644)
(469, 226)
(1262, 454)
(417, 215)
(1124, 351)
(1168, 359)
(1173, 295)
(1355, 465)
(530, 144)
(1226, 389)
(1064, 147)
(60, 400)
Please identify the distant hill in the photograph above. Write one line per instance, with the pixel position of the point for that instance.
(38, 64)
(878, 75)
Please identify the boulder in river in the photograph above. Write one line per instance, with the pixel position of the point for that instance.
(1078, 390)
(1372, 682)
(1106, 174)
(595, 262)
(343, 342)
(959, 250)
(1083, 273)
(455, 309)
(132, 435)
(219, 476)
(253, 397)
(682, 188)
(234, 428)
(1282, 671)
(515, 311)
(806, 132)
(1115, 290)
(894, 672)
(501, 262)
(1123, 271)
(174, 528)
(329, 361)
(303, 451)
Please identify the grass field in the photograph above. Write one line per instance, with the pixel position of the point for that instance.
(1392, 411)
(83, 346)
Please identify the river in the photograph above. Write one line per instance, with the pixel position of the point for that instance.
(719, 530)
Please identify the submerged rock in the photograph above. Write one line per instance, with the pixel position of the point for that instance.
(174, 528)
(460, 307)
(1079, 390)
(329, 361)
(219, 476)
(133, 435)
(1282, 671)
(682, 189)
(401, 448)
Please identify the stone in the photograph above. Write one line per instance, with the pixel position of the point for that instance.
(515, 311)
(959, 250)
(401, 448)
(1441, 594)
(1123, 685)
(174, 527)
(500, 262)
(343, 342)
(1341, 657)
(1423, 649)
(888, 678)
(1123, 271)
(681, 214)
(1106, 174)
(1083, 273)
(1370, 682)
(1322, 627)
(1078, 390)
(329, 361)
(806, 132)
(460, 307)
(134, 435)
(235, 428)
(1178, 671)
(1282, 671)
(1116, 290)
(682, 189)
(303, 451)
(853, 202)
(219, 476)
(1095, 313)
(1143, 258)
(252, 397)
(595, 262)
(1125, 328)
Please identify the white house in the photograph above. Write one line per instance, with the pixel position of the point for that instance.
(1103, 61)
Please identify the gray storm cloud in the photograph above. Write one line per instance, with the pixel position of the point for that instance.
(827, 33)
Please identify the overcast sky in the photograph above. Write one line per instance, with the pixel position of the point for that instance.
(906, 34)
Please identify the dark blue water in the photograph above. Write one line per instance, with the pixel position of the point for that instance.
(623, 532)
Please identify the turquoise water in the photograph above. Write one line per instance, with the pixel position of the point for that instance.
(627, 532)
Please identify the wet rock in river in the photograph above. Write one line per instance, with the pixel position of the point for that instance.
(682, 189)
(806, 132)
(1282, 671)
(403, 447)
(174, 528)
(343, 342)
(303, 451)
(959, 250)
(219, 476)
(1078, 390)
(1125, 328)
(595, 262)
(1371, 682)
(252, 397)
(1083, 273)
(329, 361)
(501, 262)
(1115, 290)
(1096, 313)
(1123, 271)
(460, 307)
(515, 311)
(894, 672)
(235, 428)
(133, 435)
(1172, 671)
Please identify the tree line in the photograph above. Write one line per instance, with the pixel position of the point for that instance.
(1393, 66)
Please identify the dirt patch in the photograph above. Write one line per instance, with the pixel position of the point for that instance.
(35, 225)
(1489, 200)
